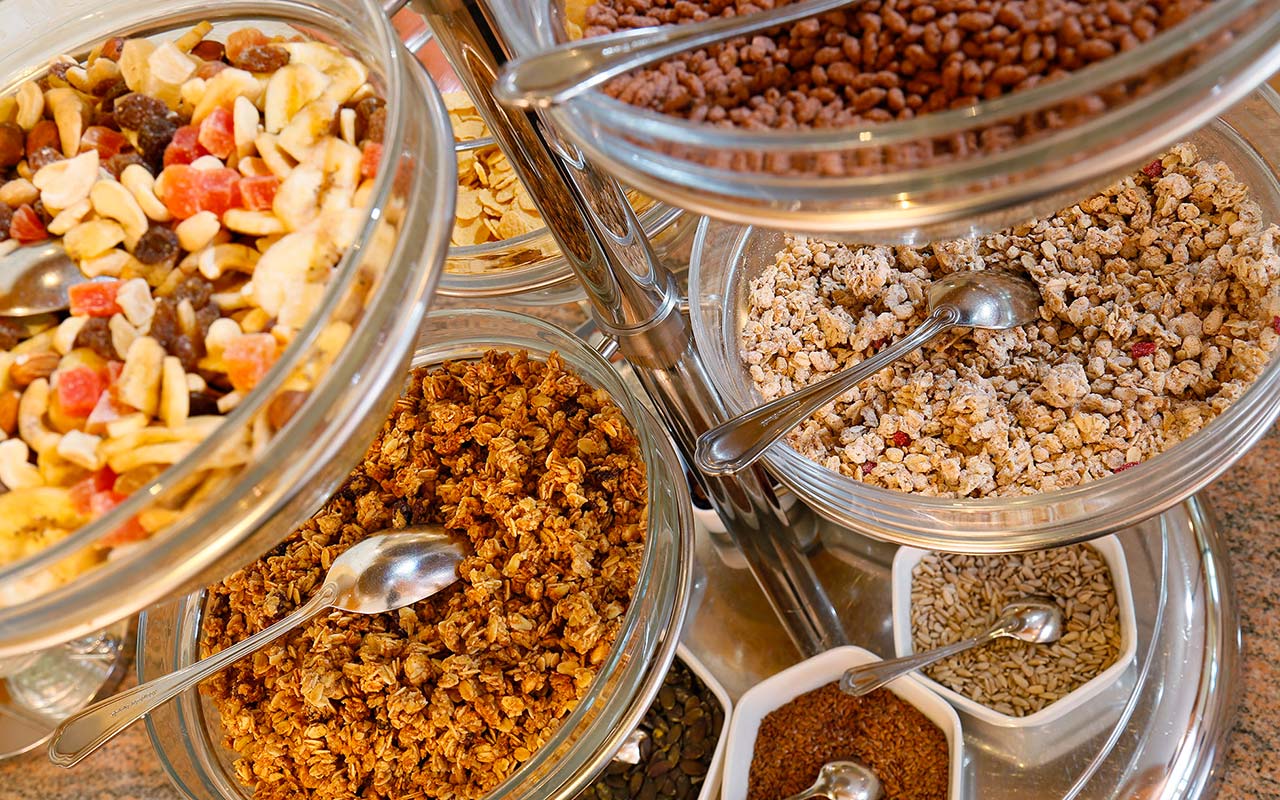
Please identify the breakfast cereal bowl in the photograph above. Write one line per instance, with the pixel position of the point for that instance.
(728, 258)
(187, 735)
(823, 669)
(343, 362)
(1066, 723)
(976, 164)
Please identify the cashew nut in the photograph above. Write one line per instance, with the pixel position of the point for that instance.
(68, 113)
(141, 185)
(113, 201)
(30, 105)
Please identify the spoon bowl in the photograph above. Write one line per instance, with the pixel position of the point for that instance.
(843, 780)
(384, 572)
(36, 278)
(986, 299)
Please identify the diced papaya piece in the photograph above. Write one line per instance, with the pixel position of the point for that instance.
(78, 390)
(370, 155)
(217, 134)
(106, 141)
(94, 299)
(26, 225)
(185, 146)
(248, 358)
(259, 192)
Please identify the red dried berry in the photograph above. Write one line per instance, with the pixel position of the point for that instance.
(1142, 349)
(878, 343)
(1153, 170)
(867, 466)
(1275, 324)
(900, 439)
(1128, 465)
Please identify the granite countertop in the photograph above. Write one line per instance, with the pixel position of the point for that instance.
(1246, 502)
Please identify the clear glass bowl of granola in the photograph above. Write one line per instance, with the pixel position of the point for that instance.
(1023, 114)
(188, 733)
(1084, 444)
(230, 479)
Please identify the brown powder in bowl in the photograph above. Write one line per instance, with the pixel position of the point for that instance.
(446, 698)
(901, 746)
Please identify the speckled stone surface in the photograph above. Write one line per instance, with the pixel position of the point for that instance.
(1247, 500)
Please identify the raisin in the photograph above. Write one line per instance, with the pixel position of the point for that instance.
(261, 58)
(43, 158)
(377, 122)
(153, 137)
(12, 144)
(135, 109)
(364, 109)
(117, 164)
(203, 404)
(95, 334)
(108, 89)
(158, 244)
(12, 331)
(58, 69)
(188, 350)
(205, 317)
(195, 290)
(43, 134)
(164, 323)
(6, 219)
(209, 50)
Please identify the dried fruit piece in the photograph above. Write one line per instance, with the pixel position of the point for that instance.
(262, 58)
(6, 219)
(216, 134)
(135, 109)
(96, 336)
(1127, 466)
(209, 50)
(12, 144)
(106, 141)
(258, 193)
(238, 41)
(1153, 170)
(184, 147)
(901, 439)
(188, 191)
(1142, 349)
(44, 134)
(154, 138)
(77, 390)
(248, 358)
(26, 225)
(94, 299)
(117, 164)
(370, 156)
(157, 245)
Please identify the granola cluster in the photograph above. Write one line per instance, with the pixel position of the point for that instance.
(1161, 304)
(446, 698)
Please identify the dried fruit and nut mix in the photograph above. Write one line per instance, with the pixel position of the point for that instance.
(954, 597)
(877, 61)
(446, 698)
(203, 186)
(906, 751)
(679, 734)
(493, 204)
(1161, 304)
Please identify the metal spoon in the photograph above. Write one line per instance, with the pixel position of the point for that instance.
(567, 70)
(34, 279)
(381, 573)
(843, 780)
(1034, 618)
(987, 299)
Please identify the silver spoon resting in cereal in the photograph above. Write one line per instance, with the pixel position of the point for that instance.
(384, 572)
(843, 780)
(35, 279)
(986, 299)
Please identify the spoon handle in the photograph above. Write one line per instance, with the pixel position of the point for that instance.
(736, 444)
(865, 679)
(84, 732)
(567, 70)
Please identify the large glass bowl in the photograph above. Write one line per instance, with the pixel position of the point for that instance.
(187, 736)
(727, 257)
(930, 177)
(380, 288)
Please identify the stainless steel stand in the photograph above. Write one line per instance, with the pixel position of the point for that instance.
(635, 300)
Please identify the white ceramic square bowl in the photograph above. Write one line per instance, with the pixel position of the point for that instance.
(1062, 726)
(711, 784)
(820, 670)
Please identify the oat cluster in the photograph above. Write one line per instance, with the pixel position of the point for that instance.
(446, 698)
(954, 597)
(1160, 306)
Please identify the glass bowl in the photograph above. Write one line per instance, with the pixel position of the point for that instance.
(187, 735)
(930, 177)
(526, 270)
(727, 257)
(380, 288)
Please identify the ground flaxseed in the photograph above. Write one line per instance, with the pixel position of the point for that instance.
(906, 751)
(446, 698)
